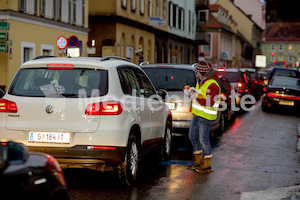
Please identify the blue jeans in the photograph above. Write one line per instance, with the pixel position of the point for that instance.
(199, 134)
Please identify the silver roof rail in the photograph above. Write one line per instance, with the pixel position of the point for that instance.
(114, 57)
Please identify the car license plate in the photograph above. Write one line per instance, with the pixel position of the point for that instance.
(49, 137)
(286, 103)
(171, 106)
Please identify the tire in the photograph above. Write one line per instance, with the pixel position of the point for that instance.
(128, 170)
(221, 129)
(164, 152)
(264, 108)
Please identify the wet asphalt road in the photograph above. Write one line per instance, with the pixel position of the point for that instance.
(256, 152)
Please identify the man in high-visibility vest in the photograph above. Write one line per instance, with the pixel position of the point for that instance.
(205, 104)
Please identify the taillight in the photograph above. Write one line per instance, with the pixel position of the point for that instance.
(265, 89)
(104, 108)
(58, 171)
(245, 77)
(8, 106)
(223, 96)
(282, 96)
(221, 70)
(272, 95)
(240, 85)
(101, 147)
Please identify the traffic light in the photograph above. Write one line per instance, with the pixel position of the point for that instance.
(273, 53)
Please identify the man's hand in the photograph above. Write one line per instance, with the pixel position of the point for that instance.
(200, 96)
(195, 95)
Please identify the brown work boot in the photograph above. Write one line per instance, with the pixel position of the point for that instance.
(197, 162)
(206, 165)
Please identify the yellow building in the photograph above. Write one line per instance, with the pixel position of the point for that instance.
(121, 28)
(33, 28)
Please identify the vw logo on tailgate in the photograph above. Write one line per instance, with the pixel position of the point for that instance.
(49, 109)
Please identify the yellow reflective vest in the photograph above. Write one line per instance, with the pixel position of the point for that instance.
(209, 113)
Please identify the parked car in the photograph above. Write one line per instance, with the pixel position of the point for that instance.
(96, 113)
(253, 81)
(281, 71)
(264, 75)
(238, 82)
(226, 91)
(282, 92)
(2, 93)
(30, 175)
(173, 78)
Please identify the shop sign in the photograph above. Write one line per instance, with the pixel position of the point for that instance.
(3, 36)
(3, 48)
(4, 25)
(156, 21)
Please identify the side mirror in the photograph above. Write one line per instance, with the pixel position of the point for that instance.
(14, 153)
(162, 93)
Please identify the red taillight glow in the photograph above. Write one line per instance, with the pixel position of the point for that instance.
(245, 77)
(101, 147)
(240, 85)
(221, 70)
(60, 66)
(223, 96)
(104, 108)
(282, 96)
(8, 106)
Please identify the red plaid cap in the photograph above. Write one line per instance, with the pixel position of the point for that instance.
(202, 66)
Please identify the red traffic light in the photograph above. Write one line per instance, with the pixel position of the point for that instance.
(273, 53)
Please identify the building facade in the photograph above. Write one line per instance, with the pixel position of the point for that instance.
(30, 28)
(282, 45)
(225, 43)
(144, 30)
(247, 29)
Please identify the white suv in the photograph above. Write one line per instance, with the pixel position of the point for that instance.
(97, 113)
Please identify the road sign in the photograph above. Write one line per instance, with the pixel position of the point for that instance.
(61, 42)
(3, 47)
(73, 41)
(4, 36)
(4, 25)
(91, 43)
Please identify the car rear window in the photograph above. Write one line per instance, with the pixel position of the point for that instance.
(289, 73)
(56, 82)
(231, 76)
(285, 82)
(171, 79)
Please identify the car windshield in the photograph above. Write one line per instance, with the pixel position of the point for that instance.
(231, 76)
(285, 82)
(56, 82)
(171, 78)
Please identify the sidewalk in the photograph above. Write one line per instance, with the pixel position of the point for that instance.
(286, 193)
